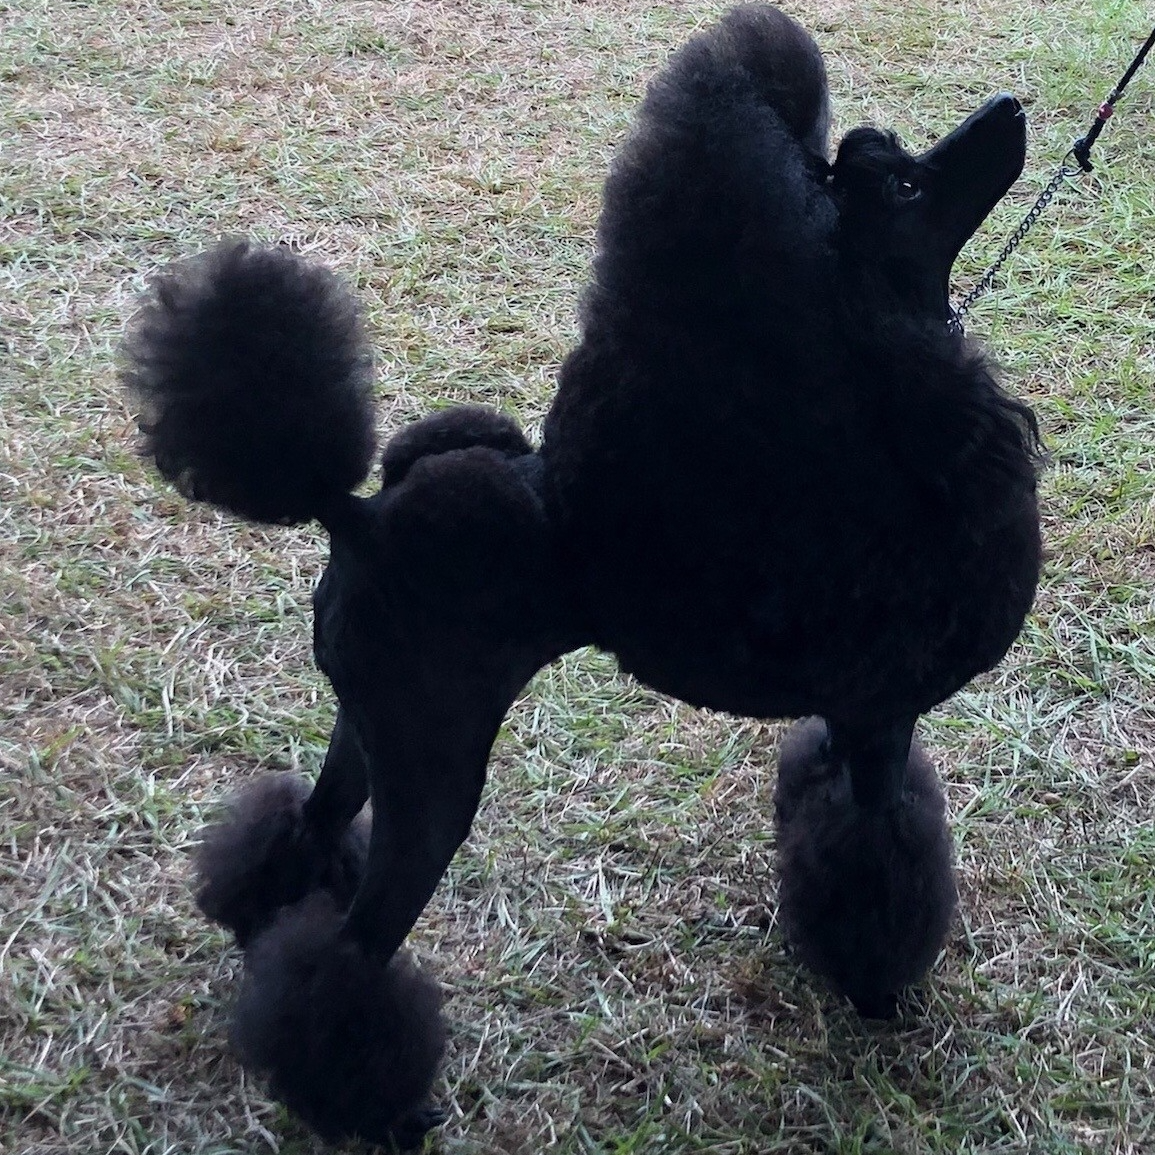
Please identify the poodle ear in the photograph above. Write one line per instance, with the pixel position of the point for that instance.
(864, 158)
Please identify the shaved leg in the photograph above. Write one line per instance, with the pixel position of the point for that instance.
(343, 786)
(876, 756)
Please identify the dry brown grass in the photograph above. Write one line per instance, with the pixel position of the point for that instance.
(607, 939)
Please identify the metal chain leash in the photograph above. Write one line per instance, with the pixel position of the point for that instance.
(1081, 152)
(1025, 225)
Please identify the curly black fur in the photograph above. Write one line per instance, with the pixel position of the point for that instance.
(772, 481)
(263, 855)
(782, 486)
(463, 427)
(754, 51)
(349, 1042)
(252, 382)
(866, 896)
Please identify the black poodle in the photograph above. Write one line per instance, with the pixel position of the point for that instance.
(774, 482)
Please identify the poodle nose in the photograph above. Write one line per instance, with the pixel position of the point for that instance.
(1004, 107)
(1005, 102)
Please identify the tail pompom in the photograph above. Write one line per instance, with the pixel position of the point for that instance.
(251, 379)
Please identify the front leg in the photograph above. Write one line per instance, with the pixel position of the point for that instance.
(867, 888)
(439, 604)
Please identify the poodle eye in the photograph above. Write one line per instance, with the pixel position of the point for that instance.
(903, 190)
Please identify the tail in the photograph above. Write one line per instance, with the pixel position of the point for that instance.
(251, 379)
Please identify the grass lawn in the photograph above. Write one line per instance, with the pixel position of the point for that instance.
(615, 978)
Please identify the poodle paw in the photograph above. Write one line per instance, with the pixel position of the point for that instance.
(866, 897)
(263, 856)
(412, 1127)
(349, 1042)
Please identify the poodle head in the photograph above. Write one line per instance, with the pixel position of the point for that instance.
(904, 219)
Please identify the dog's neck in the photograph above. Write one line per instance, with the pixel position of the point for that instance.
(896, 289)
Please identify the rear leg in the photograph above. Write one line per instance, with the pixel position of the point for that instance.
(429, 621)
(864, 857)
(281, 840)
